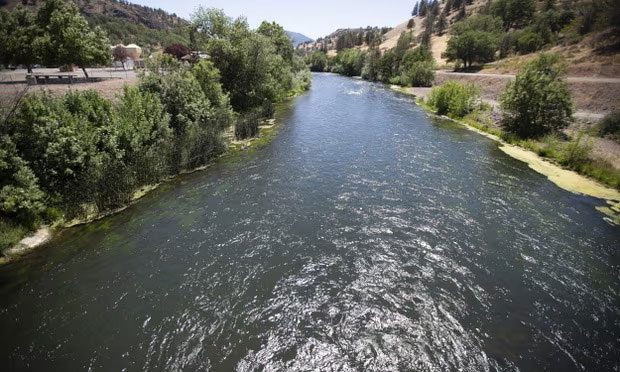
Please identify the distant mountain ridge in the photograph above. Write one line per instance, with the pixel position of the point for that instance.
(298, 38)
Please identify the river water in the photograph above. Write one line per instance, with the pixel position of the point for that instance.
(364, 237)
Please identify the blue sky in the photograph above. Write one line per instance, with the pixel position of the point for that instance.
(314, 18)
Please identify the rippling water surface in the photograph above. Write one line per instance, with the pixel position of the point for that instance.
(365, 237)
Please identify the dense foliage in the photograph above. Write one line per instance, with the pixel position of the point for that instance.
(178, 50)
(538, 101)
(474, 40)
(80, 155)
(56, 35)
(454, 99)
(316, 61)
(255, 66)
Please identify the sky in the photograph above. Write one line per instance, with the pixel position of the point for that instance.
(314, 18)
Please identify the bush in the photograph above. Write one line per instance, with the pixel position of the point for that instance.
(20, 196)
(528, 41)
(177, 50)
(474, 40)
(418, 74)
(454, 99)
(350, 62)
(538, 101)
(317, 61)
(576, 152)
(610, 126)
(247, 125)
(417, 67)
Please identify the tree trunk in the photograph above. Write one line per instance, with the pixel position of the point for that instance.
(29, 68)
(85, 73)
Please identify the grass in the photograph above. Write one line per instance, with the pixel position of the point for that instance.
(11, 234)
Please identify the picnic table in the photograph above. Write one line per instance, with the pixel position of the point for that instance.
(34, 79)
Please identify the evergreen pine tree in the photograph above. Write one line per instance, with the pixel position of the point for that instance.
(423, 8)
(441, 24)
(462, 12)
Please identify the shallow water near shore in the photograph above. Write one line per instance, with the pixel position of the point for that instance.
(366, 236)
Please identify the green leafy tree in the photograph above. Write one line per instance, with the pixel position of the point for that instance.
(317, 61)
(514, 13)
(350, 62)
(417, 67)
(69, 38)
(538, 102)
(20, 196)
(20, 38)
(372, 65)
(278, 38)
(474, 40)
(253, 70)
(454, 99)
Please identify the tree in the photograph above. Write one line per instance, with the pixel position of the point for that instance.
(120, 55)
(253, 69)
(417, 67)
(20, 195)
(350, 62)
(69, 39)
(415, 10)
(447, 8)
(462, 14)
(371, 69)
(474, 40)
(538, 101)
(278, 38)
(317, 61)
(411, 24)
(442, 23)
(423, 8)
(20, 38)
(178, 51)
(514, 13)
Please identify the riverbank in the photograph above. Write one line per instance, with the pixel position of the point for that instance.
(235, 150)
(562, 177)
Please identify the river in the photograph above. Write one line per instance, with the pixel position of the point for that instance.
(364, 237)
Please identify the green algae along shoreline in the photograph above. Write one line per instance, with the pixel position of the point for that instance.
(566, 179)
(235, 148)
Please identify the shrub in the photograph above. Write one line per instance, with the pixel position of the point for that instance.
(20, 195)
(610, 126)
(474, 40)
(454, 99)
(528, 41)
(317, 61)
(247, 125)
(418, 74)
(177, 50)
(576, 152)
(417, 67)
(350, 62)
(538, 101)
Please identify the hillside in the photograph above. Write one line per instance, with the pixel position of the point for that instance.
(594, 52)
(126, 22)
(298, 38)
